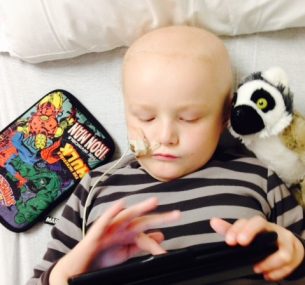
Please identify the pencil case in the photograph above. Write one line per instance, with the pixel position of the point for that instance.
(43, 155)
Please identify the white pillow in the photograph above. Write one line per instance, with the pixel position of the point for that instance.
(42, 30)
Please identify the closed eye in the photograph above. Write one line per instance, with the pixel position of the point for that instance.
(150, 119)
(189, 120)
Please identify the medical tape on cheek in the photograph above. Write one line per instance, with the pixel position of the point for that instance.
(139, 147)
(142, 147)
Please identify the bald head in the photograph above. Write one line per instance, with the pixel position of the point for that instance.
(177, 40)
(184, 43)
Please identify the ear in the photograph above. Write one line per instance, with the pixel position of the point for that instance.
(227, 110)
(276, 76)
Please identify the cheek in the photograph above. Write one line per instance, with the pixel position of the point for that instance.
(133, 126)
(205, 137)
(136, 131)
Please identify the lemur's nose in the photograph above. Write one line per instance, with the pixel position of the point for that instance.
(245, 120)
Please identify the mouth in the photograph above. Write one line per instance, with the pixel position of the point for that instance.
(165, 156)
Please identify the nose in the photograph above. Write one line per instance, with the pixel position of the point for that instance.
(168, 133)
(245, 120)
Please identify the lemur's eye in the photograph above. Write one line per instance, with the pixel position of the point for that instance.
(263, 100)
(262, 103)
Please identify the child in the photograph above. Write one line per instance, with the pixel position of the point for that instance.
(177, 86)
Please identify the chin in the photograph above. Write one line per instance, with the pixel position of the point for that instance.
(164, 179)
(165, 171)
(162, 174)
(166, 174)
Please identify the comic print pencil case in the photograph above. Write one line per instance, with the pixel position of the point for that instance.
(43, 155)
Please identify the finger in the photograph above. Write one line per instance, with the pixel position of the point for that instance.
(144, 223)
(148, 244)
(278, 274)
(157, 236)
(233, 232)
(281, 258)
(274, 261)
(135, 249)
(220, 226)
(246, 231)
(104, 220)
(128, 238)
(125, 216)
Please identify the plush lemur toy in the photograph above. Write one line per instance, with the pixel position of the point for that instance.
(263, 118)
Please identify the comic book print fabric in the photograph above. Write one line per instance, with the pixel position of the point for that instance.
(44, 154)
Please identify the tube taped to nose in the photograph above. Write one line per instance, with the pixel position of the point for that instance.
(141, 146)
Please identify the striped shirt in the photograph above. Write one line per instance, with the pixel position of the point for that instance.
(228, 186)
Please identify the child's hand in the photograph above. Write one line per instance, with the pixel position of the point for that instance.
(279, 264)
(116, 236)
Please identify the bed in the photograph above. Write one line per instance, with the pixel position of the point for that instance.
(77, 47)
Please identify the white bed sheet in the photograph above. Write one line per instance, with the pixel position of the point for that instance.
(95, 80)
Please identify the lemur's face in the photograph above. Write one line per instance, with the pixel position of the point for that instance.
(258, 108)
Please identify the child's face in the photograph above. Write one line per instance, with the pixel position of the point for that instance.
(175, 103)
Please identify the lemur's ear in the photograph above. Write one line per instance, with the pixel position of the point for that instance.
(276, 76)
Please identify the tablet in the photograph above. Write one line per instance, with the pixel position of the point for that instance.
(200, 264)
